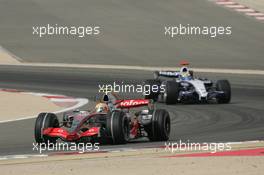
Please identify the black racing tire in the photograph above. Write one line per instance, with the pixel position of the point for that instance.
(159, 129)
(118, 127)
(152, 83)
(224, 85)
(171, 92)
(45, 120)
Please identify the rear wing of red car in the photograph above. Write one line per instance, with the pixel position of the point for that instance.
(132, 103)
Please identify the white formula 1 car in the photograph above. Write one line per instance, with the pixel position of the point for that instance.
(182, 87)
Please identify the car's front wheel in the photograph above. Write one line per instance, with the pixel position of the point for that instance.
(118, 127)
(43, 121)
(224, 85)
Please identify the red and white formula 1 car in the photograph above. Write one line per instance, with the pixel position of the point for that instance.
(112, 121)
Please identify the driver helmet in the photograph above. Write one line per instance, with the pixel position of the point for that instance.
(101, 107)
(185, 74)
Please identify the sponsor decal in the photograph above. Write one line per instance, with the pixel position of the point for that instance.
(128, 103)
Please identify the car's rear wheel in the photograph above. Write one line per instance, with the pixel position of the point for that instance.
(171, 92)
(224, 85)
(118, 127)
(43, 121)
(159, 129)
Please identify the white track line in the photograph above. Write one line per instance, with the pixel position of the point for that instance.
(230, 71)
(255, 14)
(42, 94)
(144, 68)
(62, 100)
(236, 6)
(260, 17)
(225, 2)
(22, 156)
(245, 10)
(240, 8)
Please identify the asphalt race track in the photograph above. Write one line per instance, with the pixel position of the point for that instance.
(242, 120)
(133, 34)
